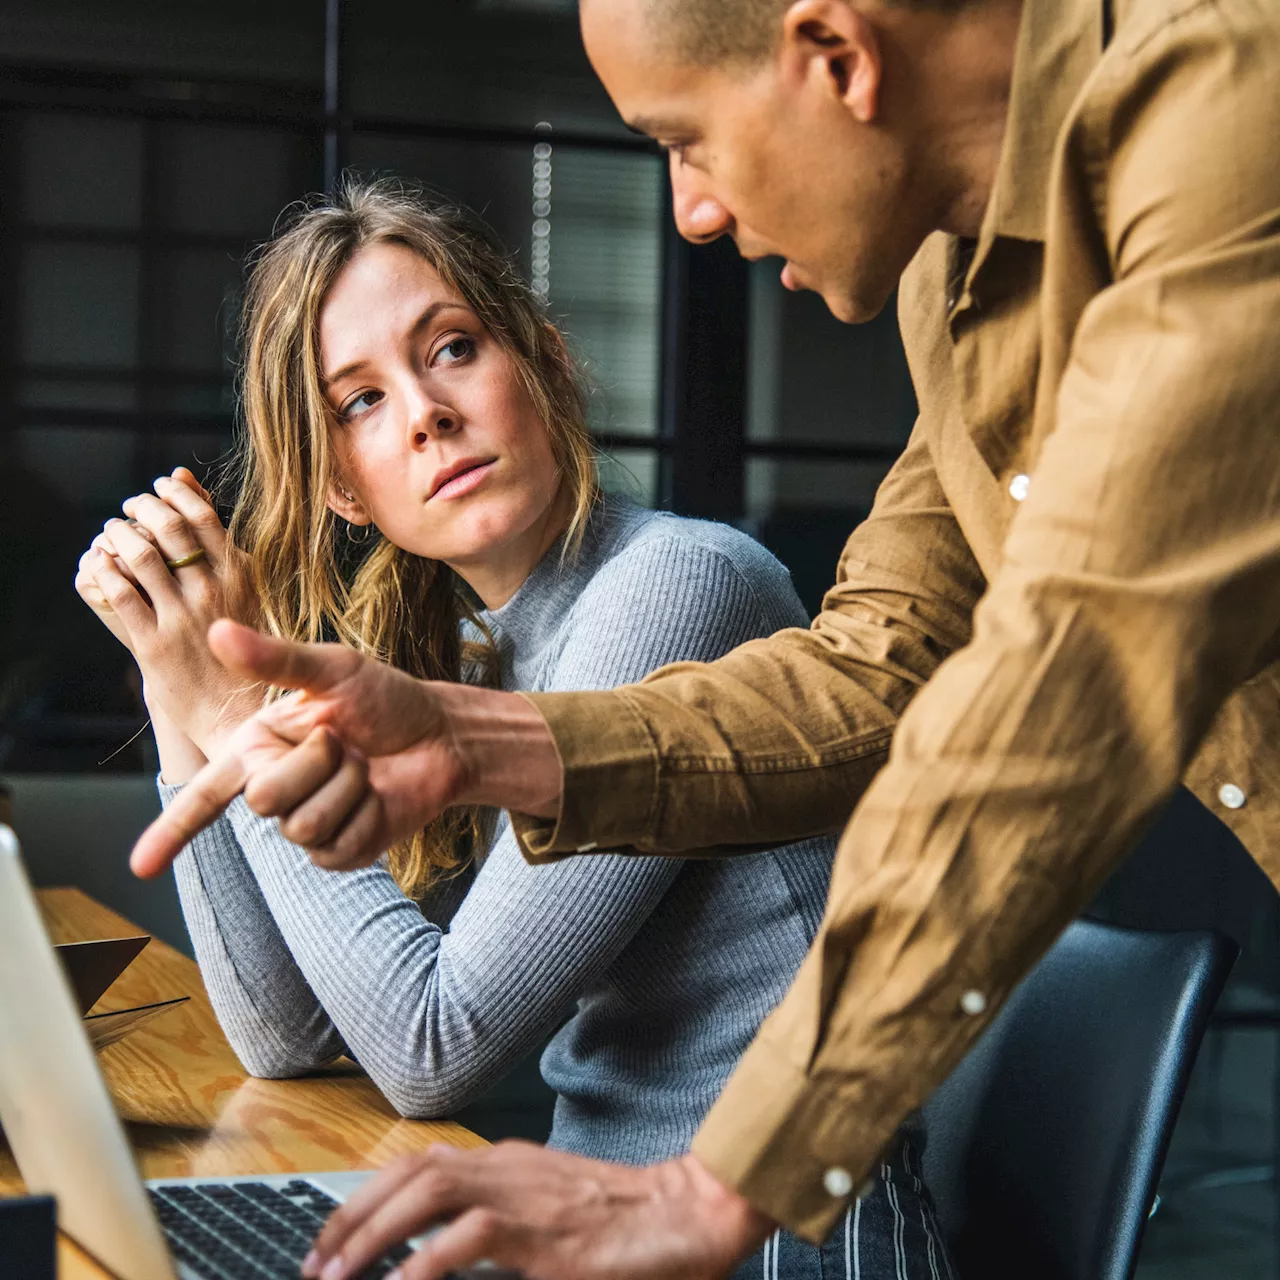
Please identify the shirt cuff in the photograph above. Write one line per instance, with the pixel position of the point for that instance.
(799, 1151)
(609, 762)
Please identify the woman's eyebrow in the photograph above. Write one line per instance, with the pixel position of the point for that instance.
(441, 304)
(327, 380)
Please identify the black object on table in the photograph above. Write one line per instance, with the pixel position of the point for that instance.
(28, 1238)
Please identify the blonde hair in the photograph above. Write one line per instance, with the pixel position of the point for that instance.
(308, 581)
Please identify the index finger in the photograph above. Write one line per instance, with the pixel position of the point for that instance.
(360, 1206)
(197, 510)
(184, 475)
(201, 801)
(404, 1209)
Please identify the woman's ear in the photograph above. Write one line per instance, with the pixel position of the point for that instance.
(344, 504)
(558, 347)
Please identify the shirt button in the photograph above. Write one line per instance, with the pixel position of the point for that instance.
(837, 1182)
(1018, 487)
(973, 1002)
(1231, 796)
(586, 848)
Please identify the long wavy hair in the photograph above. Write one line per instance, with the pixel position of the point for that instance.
(308, 580)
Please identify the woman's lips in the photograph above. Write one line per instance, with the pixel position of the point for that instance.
(463, 482)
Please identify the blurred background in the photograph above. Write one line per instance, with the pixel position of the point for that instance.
(147, 147)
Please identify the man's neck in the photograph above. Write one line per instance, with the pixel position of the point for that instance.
(963, 71)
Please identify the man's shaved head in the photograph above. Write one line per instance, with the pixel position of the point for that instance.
(709, 33)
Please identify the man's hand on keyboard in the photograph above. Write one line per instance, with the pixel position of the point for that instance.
(359, 756)
(547, 1214)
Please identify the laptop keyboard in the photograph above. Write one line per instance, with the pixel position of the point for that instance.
(248, 1230)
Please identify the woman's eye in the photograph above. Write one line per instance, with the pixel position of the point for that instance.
(455, 350)
(361, 404)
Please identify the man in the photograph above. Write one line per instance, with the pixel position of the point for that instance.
(1066, 600)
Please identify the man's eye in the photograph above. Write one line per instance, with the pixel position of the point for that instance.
(361, 404)
(457, 349)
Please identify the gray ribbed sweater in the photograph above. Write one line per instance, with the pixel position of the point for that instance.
(664, 968)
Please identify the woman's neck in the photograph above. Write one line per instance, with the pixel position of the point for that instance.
(497, 577)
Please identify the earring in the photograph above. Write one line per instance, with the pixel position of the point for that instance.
(363, 538)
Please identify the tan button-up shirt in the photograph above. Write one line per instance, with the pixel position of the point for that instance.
(1066, 599)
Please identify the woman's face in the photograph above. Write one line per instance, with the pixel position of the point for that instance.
(439, 444)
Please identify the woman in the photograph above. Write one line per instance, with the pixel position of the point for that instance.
(418, 482)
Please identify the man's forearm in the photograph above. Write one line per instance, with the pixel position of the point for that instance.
(776, 740)
(506, 754)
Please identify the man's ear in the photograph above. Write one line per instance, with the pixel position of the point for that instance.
(344, 503)
(836, 41)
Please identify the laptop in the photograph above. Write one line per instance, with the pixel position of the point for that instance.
(68, 1141)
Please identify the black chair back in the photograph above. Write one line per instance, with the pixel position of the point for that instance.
(1046, 1142)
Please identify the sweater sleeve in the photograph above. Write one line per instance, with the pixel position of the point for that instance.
(267, 1011)
(435, 1017)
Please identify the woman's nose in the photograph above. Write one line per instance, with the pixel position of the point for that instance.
(429, 420)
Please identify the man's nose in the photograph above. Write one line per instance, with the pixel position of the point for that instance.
(699, 216)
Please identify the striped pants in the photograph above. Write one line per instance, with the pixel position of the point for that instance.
(890, 1234)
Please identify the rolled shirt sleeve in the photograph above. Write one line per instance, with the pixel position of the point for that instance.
(776, 740)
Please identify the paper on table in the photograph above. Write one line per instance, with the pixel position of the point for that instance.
(106, 1028)
(91, 967)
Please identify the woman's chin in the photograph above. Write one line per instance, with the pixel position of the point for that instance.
(474, 532)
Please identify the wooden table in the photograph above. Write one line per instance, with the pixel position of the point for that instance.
(187, 1104)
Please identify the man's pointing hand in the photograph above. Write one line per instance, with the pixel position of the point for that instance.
(358, 756)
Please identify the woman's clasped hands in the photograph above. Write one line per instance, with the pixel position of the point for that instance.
(157, 580)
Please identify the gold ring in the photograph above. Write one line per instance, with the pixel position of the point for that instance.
(182, 561)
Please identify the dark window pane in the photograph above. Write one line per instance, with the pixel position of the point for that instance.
(779, 485)
(88, 467)
(633, 472)
(79, 305)
(804, 510)
(77, 393)
(217, 180)
(193, 304)
(79, 171)
(814, 379)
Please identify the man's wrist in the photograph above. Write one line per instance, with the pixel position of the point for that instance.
(504, 750)
(731, 1212)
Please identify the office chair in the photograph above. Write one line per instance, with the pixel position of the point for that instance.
(1045, 1144)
